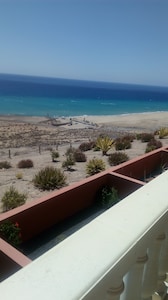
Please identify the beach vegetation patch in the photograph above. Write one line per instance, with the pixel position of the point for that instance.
(117, 158)
(79, 156)
(104, 144)
(19, 175)
(25, 164)
(145, 137)
(54, 155)
(122, 143)
(163, 132)
(49, 178)
(95, 166)
(70, 150)
(12, 198)
(129, 137)
(5, 165)
(153, 145)
(86, 146)
(69, 162)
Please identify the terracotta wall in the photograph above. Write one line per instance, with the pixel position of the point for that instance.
(38, 215)
(11, 260)
(143, 167)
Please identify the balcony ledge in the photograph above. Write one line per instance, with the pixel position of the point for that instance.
(101, 251)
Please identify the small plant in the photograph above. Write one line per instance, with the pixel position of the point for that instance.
(79, 156)
(11, 233)
(86, 146)
(130, 137)
(145, 137)
(117, 158)
(25, 164)
(122, 143)
(69, 162)
(12, 198)
(54, 155)
(19, 175)
(5, 165)
(152, 145)
(163, 168)
(70, 150)
(105, 144)
(163, 132)
(95, 166)
(107, 197)
(49, 178)
(96, 148)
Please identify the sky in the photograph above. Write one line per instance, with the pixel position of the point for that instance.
(102, 40)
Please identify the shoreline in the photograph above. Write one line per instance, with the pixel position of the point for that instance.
(94, 117)
(126, 122)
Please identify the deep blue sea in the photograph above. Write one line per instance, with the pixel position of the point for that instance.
(39, 96)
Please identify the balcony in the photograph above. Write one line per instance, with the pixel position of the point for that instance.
(121, 254)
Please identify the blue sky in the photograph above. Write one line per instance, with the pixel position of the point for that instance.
(105, 40)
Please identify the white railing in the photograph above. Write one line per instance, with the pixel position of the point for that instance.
(122, 254)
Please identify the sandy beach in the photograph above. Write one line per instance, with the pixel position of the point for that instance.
(34, 137)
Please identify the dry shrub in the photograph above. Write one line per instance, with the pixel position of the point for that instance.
(49, 178)
(5, 165)
(25, 164)
(117, 158)
(79, 156)
(152, 145)
(95, 166)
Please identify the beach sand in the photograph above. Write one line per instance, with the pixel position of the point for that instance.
(34, 137)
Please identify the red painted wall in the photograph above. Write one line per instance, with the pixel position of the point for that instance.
(38, 215)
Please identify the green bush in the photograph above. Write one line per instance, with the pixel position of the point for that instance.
(95, 166)
(152, 145)
(49, 178)
(70, 150)
(12, 198)
(163, 132)
(79, 156)
(104, 144)
(117, 158)
(107, 197)
(5, 165)
(54, 155)
(25, 164)
(69, 162)
(122, 143)
(11, 233)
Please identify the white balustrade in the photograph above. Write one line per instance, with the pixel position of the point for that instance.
(134, 278)
(152, 268)
(125, 244)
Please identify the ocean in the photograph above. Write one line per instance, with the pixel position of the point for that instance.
(40, 96)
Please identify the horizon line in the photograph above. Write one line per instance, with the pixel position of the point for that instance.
(84, 80)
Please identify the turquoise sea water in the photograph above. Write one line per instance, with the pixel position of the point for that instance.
(35, 96)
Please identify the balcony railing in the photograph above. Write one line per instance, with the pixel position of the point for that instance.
(120, 255)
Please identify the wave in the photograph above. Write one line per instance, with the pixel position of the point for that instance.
(108, 103)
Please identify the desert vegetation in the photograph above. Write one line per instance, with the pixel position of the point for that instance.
(49, 178)
(12, 198)
(95, 166)
(75, 160)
